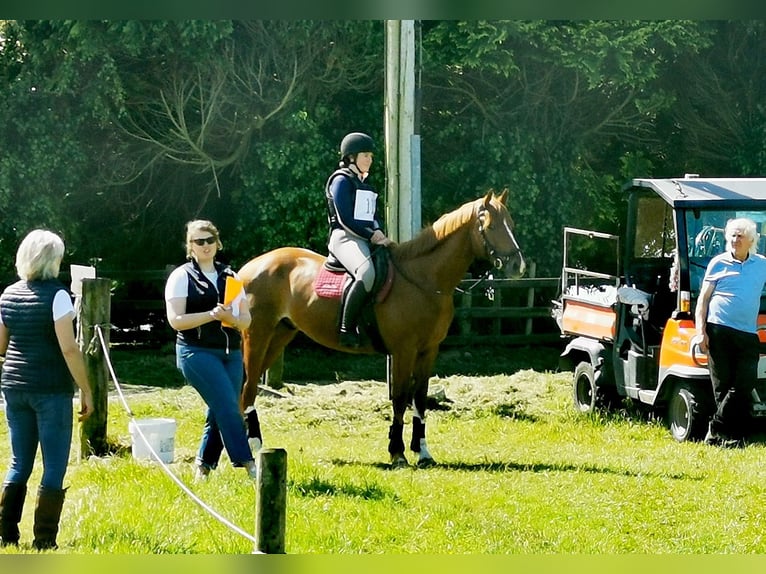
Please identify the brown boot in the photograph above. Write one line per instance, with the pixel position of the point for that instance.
(11, 505)
(47, 515)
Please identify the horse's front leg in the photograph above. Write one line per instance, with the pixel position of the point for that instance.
(400, 393)
(418, 443)
(395, 434)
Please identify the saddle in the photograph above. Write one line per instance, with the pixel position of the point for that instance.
(333, 280)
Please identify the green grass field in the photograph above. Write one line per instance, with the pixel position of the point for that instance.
(519, 472)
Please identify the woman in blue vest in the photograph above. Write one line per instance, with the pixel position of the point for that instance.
(42, 358)
(208, 351)
(352, 213)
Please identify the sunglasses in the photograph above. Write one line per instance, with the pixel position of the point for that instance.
(209, 240)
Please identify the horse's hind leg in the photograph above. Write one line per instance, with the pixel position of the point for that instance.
(421, 375)
(259, 351)
(283, 334)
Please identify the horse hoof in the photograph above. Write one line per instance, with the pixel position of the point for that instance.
(426, 462)
(399, 461)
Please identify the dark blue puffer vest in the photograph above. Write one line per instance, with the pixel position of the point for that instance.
(203, 296)
(332, 214)
(33, 361)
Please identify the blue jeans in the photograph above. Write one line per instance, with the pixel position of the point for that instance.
(39, 418)
(217, 376)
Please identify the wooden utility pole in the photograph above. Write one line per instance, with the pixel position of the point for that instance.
(402, 144)
(95, 310)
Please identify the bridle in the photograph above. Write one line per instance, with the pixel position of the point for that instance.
(497, 259)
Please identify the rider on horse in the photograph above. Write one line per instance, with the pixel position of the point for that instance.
(354, 225)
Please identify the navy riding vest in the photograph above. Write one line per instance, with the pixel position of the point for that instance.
(333, 219)
(33, 360)
(203, 296)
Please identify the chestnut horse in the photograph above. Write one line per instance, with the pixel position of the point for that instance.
(413, 319)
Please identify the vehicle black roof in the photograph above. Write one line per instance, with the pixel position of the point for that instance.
(711, 193)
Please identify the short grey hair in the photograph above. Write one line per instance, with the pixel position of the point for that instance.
(747, 227)
(39, 255)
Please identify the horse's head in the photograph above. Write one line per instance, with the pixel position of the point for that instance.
(495, 230)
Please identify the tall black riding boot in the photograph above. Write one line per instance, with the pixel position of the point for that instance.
(47, 515)
(11, 505)
(357, 295)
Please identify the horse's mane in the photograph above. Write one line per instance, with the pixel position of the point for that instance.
(430, 237)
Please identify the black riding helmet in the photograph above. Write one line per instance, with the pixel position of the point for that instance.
(354, 143)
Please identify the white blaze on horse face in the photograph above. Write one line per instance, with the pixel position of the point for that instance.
(522, 263)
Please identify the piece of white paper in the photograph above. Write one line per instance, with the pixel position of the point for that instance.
(78, 273)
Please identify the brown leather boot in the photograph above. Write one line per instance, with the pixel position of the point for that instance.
(47, 514)
(11, 505)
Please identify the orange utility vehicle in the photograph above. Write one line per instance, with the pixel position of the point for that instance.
(630, 326)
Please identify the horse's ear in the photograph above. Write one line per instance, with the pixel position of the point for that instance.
(503, 197)
(487, 198)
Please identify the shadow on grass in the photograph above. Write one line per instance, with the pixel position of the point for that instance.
(497, 467)
(305, 360)
(318, 487)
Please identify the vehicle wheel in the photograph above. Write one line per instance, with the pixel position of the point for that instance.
(585, 392)
(687, 413)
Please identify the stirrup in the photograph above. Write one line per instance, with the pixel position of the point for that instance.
(349, 339)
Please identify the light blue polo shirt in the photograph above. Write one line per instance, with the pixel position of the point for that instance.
(736, 296)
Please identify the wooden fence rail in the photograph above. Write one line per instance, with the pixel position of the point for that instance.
(518, 313)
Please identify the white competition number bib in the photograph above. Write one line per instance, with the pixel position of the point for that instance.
(364, 206)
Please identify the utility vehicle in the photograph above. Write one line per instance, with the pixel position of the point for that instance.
(629, 319)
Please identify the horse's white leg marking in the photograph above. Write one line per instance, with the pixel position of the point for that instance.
(423, 454)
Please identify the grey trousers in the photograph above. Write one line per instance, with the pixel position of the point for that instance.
(354, 253)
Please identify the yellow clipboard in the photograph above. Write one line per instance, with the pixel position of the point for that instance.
(232, 290)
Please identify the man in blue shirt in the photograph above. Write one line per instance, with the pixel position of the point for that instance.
(726, 321)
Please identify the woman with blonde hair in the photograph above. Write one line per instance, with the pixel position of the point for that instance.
(208, 345)
(41, 359)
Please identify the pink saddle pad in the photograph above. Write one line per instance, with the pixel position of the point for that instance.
(329, 284)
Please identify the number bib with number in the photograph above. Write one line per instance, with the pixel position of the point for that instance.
(364, 206)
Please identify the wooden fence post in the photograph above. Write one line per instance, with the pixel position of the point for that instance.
(497, 303)
(530, 296)
(95, 310)
(466, 301)
(271, 501)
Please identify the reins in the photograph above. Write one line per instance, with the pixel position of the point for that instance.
(489, 291)
(416, 284)
(497, 261)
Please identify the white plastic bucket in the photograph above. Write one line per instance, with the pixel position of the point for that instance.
(159, 434)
